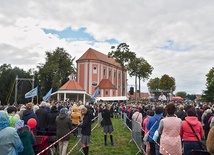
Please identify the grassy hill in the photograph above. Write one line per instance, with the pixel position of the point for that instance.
(122, 137)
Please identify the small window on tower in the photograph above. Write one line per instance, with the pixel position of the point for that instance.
(95, 70)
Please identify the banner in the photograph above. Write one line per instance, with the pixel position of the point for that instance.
(32, 93)
(48, 95)
(96, 93)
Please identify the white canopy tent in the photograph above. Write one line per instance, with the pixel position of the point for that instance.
(113, 98)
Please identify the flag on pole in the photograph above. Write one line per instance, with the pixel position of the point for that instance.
(32, 93)
(48, 95)
(96, 93)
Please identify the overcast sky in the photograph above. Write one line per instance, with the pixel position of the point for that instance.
(176, 37)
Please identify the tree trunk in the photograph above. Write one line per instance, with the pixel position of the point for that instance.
(139, 86)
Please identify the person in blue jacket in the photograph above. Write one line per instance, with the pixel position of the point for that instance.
(152, 126)
(10, 143)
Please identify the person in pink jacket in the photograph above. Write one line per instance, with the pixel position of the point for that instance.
(190, 141)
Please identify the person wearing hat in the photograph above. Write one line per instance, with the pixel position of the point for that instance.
(190, 141)
(63, 126)
(10, 143)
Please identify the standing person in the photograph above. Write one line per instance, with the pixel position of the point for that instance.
(205, 118)
(108, 128)
(64, 125)
(169, 129)
(10, 143)
(190, 141)
(28, 113)
(137, 115)
(75, 118)
(181, 113)
(144, 124)
(52, 120)
(21, 110)
(210, 141)
(152, 126)
(162, 97)
(11, 110)
(42, 115)
(86, 130)
(26, 137)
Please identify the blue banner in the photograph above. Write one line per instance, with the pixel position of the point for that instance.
(96, 93)
(32, 93)
(48, 95)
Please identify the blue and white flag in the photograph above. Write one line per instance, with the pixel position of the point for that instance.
(48, 95)
(96, 93)
(32, 93)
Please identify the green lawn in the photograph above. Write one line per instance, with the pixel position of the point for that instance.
(122, 137)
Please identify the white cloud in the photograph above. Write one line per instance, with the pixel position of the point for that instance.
(146, 26)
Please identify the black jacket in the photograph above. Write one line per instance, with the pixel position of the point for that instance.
(106, 114)
(28, 114)
(86, 124)
(52, 120)
(42, 116)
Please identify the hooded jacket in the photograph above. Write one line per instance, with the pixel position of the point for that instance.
(63, 126)
(28, 114)
(186, 132)
(76, 116)
(27, 140)
(10, 142)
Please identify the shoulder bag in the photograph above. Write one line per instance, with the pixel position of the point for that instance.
(203, 150)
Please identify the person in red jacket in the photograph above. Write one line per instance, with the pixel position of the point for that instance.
(190, 141)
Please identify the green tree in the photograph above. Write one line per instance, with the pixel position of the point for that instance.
(191, 96)
(208, 94)
(8, 79)
(123, 56)
(141, 69)
(181, 94)
(153, 84)
(55, 71)
(167, 83)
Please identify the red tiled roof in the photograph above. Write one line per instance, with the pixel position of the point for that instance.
(71, 85)
(92, 54)
(106, 84)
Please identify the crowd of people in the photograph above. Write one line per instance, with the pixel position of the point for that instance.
(171, 127)
(57, 119)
